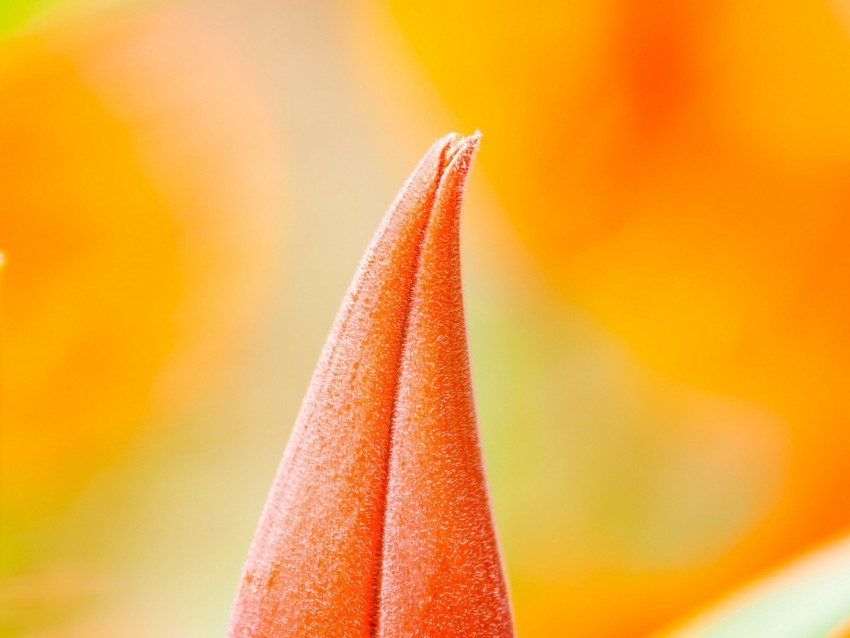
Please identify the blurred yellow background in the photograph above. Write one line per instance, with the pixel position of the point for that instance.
(656, 277)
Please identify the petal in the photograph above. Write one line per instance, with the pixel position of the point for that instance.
(809, 597)
(378, 520)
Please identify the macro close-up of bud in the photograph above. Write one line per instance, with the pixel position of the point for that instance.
(281, 357)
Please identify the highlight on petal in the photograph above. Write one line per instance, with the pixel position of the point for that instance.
(378, 522)
(842, 632)
(810, 597)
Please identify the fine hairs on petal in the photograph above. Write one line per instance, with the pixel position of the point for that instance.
(378, 522)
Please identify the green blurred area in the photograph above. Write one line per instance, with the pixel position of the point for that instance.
(16, 14)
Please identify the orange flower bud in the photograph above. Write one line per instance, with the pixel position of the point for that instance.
(378, 523)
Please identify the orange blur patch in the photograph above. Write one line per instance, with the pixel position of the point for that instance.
(129, 283)
(93, 279)
(378, 523)
(841, 632)
(679, 171)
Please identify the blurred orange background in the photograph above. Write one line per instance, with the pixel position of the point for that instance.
(657, 286)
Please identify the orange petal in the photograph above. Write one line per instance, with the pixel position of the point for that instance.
(378, 523)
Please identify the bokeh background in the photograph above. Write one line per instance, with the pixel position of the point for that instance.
(656, 271)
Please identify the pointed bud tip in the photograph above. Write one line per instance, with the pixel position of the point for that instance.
(459, 151)
(456, 144)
